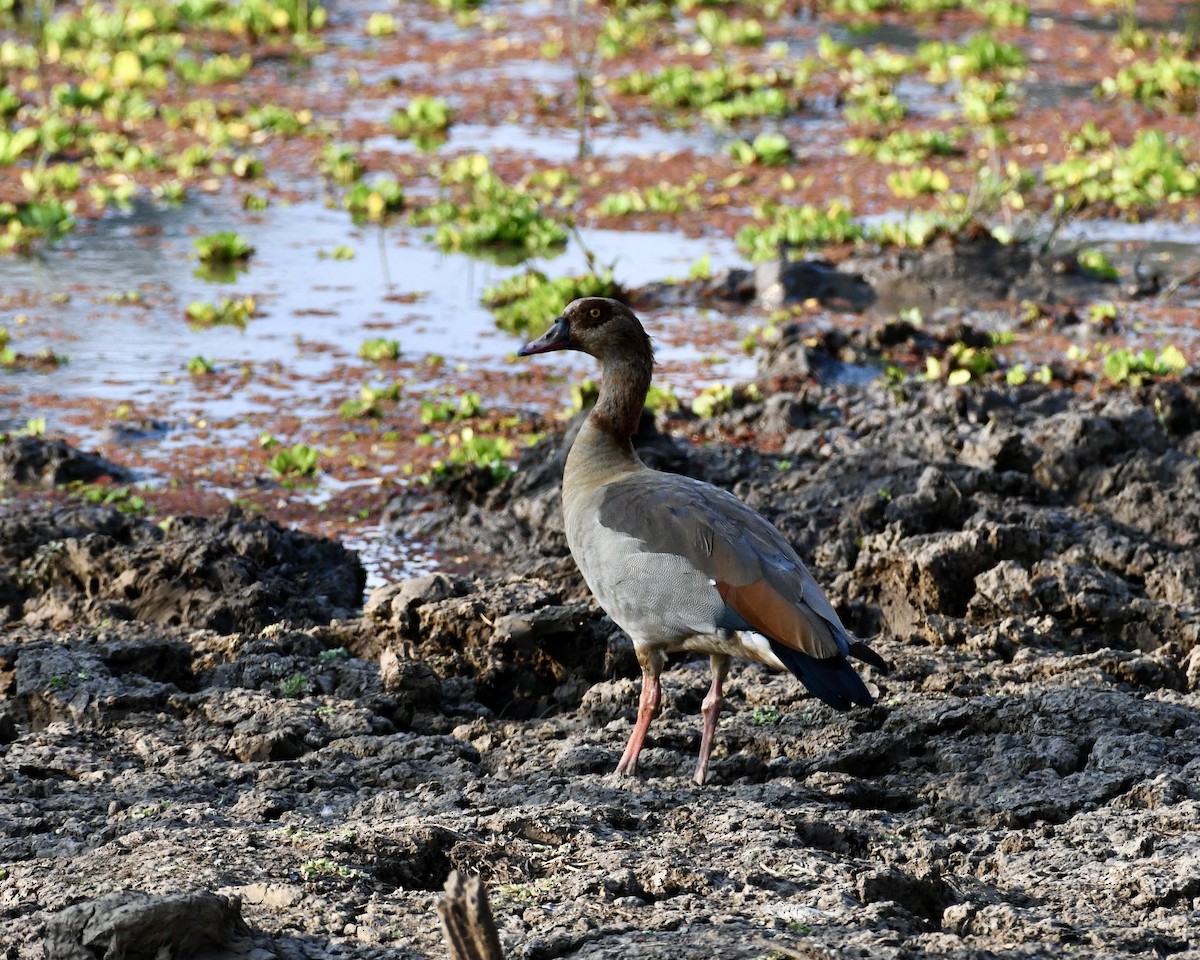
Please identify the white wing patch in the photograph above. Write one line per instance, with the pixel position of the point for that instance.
(759, 648)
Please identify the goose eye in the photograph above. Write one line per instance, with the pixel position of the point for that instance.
(594, 313)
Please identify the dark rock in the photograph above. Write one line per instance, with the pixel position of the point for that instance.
(89, 564)
(51, 463)
(140, 926)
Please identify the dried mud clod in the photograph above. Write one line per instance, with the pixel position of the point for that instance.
(521, 649)
(51, 463)
(67, 565)
(1028, 774)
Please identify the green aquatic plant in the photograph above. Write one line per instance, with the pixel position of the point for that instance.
(922, 181)
(374, 201)
(769, 149)
(469, 449)
(1168, 84)
(1152, 170)
(465, 407)
(424, 114)
(635, 27)
(340, 163)
(222, 68)
(1000, 13)
(228, 312)
(906, 147)
(522, 303)
(223, 248)
(721, 398)
(1097, 264)
(16, 143)
(1087, 137)
(978, 55)
(122, 498)
(720, 31)
(713, 400)
(986, 102)
(505, 222)
(299, 460)
(23, 226)
(872, 103)
(44, 359)
(369, 402)
(659, 198)
(380, 24)
(724, 93)
(1018, 374)
(380, 350)
(916, 230)
(804, 226)
(200, 366)
(1123, 365)
(961, 364)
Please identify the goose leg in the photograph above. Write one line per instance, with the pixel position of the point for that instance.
(710, 710)
(648, 704)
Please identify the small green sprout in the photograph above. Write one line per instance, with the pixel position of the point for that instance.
(380, 350)
(223, 248)
(299, 460)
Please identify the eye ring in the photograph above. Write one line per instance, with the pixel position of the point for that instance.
(594, 313)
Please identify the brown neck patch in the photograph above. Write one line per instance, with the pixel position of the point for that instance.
(623, 390)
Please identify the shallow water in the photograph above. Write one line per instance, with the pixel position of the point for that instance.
(316, 310)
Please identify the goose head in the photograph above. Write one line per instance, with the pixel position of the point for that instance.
(603, 328)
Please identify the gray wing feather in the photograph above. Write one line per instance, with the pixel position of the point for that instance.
(727, 540)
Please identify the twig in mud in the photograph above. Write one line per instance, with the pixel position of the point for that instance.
(1170, 289)
(467, 922)
(797, 952)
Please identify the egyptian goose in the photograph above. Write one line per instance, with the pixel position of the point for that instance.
(681, 565)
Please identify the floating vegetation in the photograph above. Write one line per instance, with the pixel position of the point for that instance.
(299, 460)
(425, 120)
(224, 247)
(723, 93)
(370, 401)
(905, 147)
(373, 201)
(380, 350)
(769, 149)
(469, 449)
(1169, 84)
(660, 198)
(228, 312)
(1151, 171)
(803, 226)
(465, 407)
(504, 222)
(24, 225)
(525, 302)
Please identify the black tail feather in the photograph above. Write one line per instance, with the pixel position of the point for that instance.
(860, 651)
(833, 680)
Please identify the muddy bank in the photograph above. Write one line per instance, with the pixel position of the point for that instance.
(246, 749)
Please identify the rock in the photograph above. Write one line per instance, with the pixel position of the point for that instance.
(91, 564)
(52, 463)
(139, 926)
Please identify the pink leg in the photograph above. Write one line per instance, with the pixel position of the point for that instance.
(711, 709)
(648, 705)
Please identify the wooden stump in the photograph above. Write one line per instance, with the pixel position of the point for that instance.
(467, 922)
